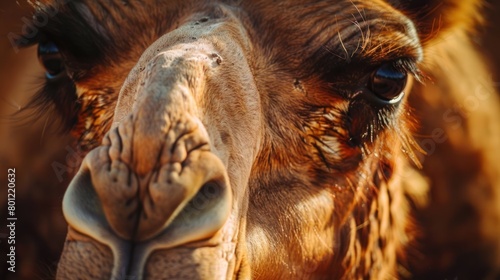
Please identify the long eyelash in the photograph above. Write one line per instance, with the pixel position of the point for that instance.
(53, 98)
(411, 68)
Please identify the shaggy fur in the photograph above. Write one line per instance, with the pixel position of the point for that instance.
(324, 178)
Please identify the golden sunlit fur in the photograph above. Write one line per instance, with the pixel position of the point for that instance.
(326, 182)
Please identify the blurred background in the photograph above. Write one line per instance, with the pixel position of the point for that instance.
(40, 226)
(40, 157)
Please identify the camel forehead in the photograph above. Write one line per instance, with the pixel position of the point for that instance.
(118, 27)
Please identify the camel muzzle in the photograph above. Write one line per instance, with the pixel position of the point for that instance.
(154, 183)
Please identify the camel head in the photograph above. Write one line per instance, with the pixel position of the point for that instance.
(236, 139)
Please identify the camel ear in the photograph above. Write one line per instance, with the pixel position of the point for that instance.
(434, 17)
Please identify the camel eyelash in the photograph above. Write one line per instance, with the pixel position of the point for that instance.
(411, 67)
(56, 99)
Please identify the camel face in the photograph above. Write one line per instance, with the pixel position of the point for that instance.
(235, 139)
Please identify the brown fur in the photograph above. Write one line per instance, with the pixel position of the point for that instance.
(315, 209)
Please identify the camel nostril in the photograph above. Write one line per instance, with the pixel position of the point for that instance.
(211, 189)
(156, 215)
(207, 193)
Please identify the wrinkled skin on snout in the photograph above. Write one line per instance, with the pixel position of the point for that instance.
(158, 190)
(194, 178)
(166, 194)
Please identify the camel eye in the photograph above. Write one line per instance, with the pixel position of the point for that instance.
(388, 82)
(51, 59)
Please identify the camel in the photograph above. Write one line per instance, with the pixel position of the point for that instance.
(261, 139)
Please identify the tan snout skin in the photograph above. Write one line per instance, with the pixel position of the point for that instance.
(163, 195)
